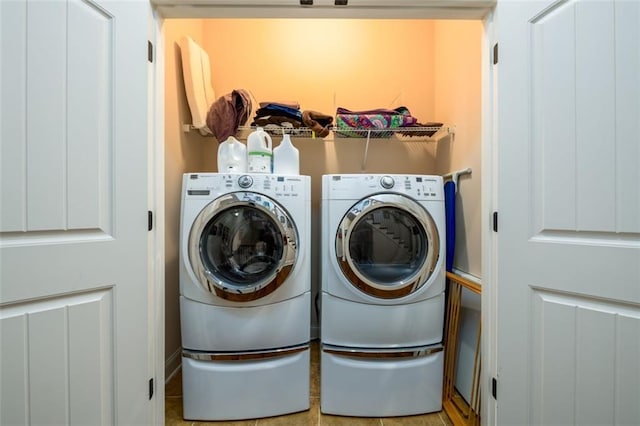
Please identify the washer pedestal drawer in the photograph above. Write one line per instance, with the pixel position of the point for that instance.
(380, 385)
(245, 388)
(223, 328)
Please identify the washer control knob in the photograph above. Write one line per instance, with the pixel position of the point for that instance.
(245, 181)
(387, 182)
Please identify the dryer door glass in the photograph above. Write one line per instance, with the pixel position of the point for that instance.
(242, 249)
(387, 246)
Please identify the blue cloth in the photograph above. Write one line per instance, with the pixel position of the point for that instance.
(450, 214)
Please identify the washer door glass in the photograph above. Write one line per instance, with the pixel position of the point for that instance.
(242, 246)
(387, 246)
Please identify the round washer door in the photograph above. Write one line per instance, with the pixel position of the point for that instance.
(387, 246)
(242, 246)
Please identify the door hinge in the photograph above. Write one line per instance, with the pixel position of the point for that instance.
(495, 54)
(494, 388)
(150, 388)
(495, 221)
(149, 51)
(150, 220)
(306, 2)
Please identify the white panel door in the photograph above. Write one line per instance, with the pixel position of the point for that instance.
(568, 285)
(73, 222)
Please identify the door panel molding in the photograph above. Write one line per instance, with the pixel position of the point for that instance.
(577, 341)
(71, 338)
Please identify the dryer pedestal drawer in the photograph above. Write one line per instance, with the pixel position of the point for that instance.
(351, 324)
(380, 386)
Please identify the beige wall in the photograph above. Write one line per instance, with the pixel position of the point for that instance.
(458, 100)
(458, 48)
(431, 67)
(184, 152)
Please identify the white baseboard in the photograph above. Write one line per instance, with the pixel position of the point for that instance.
(172, 364)
(468, 276)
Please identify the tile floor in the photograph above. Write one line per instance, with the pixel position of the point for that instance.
(173, 409)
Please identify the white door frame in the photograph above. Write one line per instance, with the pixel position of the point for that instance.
(489, 205)
(156, 206)
(489, 172)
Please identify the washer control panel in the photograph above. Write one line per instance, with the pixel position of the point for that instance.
(207, 185)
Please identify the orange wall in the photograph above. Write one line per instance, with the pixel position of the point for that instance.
(326, 63)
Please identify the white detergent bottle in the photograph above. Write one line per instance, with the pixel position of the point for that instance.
(232, 156)
(286, 158)
(259, 152)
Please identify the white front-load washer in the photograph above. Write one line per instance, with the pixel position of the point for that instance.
(245, 295)
(382, 304)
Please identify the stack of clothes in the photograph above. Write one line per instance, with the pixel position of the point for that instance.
(357, 124)
(277, 118)
(274, 117)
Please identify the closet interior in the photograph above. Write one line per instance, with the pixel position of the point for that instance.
(430, 67)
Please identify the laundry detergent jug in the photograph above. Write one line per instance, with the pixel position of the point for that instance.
(232, 156)
(259, 151)
(286, 158)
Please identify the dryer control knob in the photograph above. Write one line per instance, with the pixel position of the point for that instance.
(245, 181)
(387, 182)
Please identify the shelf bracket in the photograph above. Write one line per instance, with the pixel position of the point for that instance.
(366, 151)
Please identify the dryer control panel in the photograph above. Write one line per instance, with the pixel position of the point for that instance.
(419, 187)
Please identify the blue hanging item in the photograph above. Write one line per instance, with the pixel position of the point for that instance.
(450, 215)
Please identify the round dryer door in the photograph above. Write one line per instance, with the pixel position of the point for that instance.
(242, 246)
(387, 246)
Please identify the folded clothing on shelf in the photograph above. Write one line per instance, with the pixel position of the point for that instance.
(318, 122)
(418, 129)
(277, 117)
(357, 123)
(288, 104)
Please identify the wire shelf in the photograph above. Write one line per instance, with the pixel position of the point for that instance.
(404, 134)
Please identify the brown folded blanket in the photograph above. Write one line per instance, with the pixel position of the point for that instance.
(279, 120)
(427, 133)
(318, 122)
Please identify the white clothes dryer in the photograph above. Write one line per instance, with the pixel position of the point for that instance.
(383, 281)
(245, 294)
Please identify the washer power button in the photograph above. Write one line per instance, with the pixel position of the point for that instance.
(387, 182)
(245, 181)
